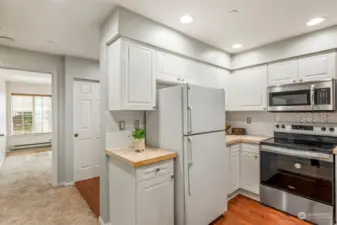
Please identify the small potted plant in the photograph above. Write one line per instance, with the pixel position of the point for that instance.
(138, 143)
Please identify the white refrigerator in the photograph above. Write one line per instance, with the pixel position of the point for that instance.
(190, 120)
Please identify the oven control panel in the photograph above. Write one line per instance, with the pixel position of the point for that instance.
(314, 129)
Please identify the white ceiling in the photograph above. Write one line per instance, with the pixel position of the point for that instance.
(65, 27)
(25, 77)
(73, 25)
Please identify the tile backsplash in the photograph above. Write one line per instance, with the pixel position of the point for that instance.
(262, 122)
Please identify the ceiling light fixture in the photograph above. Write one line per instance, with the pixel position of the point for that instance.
(186, 19)
(315, 21)
(237, 46)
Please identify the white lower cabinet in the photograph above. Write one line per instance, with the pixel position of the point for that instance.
(250, 172)
(141, 196)
(235, 167)
(244, 168)
(155, 201)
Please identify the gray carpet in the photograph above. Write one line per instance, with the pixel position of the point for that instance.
(27, 198)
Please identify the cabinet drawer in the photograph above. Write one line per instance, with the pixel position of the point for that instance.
(154, 170)
(250, 148)
(235, 148)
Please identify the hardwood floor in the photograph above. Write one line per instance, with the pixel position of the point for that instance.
(245, 211)
(89, 189)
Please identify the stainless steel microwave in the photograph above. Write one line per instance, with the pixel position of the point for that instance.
(303, 97)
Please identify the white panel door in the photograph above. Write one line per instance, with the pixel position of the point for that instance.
(140, 77)
(171, 69)
(3, 127)
(205, 183)
(249, 172)
(155, 201)
(282, 72)
(86, 130)
(204, 109)
(317, 67)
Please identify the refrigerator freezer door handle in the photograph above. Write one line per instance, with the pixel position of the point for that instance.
(189, 119)
(190, 162)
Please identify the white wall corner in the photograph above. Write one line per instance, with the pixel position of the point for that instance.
(101, 222)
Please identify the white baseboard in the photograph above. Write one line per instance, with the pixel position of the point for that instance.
(66, 184)
(101, 222)
(244, 193)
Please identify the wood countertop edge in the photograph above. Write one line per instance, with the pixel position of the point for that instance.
(145, 162)
(239, 141)
(154, 160)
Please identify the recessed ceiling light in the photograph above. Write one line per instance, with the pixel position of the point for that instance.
(315, 21)
(186, 19)
(237, 46)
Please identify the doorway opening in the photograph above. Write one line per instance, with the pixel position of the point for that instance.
(26, 129)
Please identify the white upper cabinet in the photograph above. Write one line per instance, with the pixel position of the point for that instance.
(131, 76)
(317, 67)
(170, 69)
(224, 82)
(249, 89)
(282, 72)
(208, 76)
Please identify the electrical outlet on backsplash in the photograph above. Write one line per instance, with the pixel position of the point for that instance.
(306, 117)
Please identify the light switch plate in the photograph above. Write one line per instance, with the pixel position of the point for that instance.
(122, 125)
(249, 119)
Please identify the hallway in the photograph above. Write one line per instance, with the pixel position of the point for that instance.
(26, 195)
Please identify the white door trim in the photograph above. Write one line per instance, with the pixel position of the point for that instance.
(55, 138)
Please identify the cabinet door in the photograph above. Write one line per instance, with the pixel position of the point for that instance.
(140, 80)
(250, 89)
(249, 172)
(235, 169)
(282, 72)
(207, 76)
(171, 69)
(155, 201)
(317, 67)
(224, 82)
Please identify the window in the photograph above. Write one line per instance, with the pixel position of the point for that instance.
(31, 114)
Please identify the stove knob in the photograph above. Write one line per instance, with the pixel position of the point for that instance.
(331, 129)
(283, 126)
(323, 129)
(277, 126)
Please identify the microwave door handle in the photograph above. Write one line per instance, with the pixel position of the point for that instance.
(312, 96)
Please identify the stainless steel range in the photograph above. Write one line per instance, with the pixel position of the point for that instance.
(298, 171)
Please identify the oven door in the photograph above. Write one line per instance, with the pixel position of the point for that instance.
(304, 174)
(318, 96)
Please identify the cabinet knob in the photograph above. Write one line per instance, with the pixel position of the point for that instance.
(301, 80)
(255, 157)
(182, 79)
(172, 176)
(154, 107)
(157, 170)
(178, 79)
(75, 135)
(294, 81)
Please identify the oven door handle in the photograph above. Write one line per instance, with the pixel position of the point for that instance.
(312, 96)
(298, 153)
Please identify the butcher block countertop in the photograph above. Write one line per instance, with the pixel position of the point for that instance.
(235, 139)
(138, 159)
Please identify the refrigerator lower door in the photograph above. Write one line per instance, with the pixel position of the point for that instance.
(204, 109)
(205, 179)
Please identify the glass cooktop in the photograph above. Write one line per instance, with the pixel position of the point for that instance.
(301, 145)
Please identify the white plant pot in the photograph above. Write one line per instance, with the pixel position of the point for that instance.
(138, 144)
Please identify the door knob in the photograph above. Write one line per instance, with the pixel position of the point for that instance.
(75, 135)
